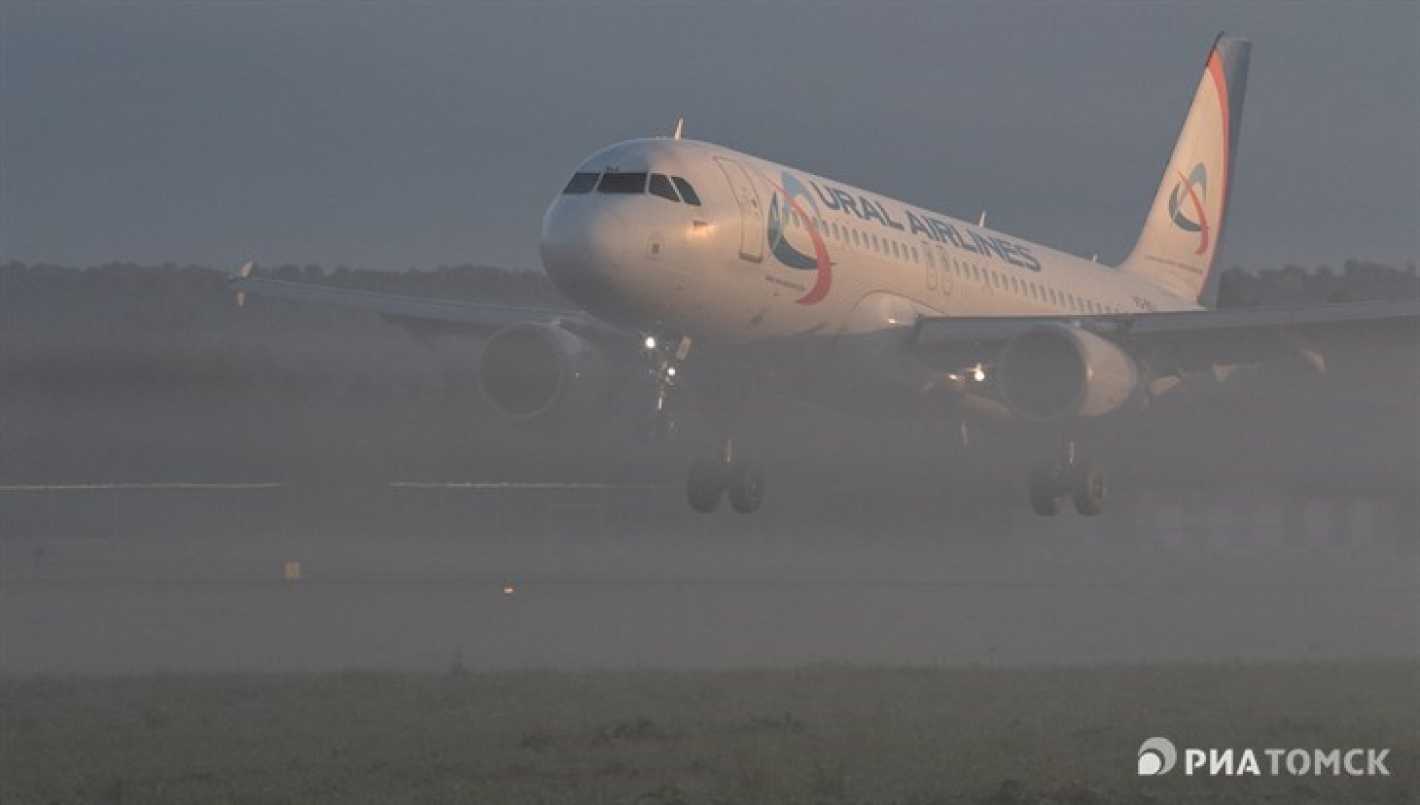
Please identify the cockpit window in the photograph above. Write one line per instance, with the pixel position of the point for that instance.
(622, 183)
(686, 191)
(581, 183)
(661, 186)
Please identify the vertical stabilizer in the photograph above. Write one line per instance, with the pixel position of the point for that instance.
(1178, 247)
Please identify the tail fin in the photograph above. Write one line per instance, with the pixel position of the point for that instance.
(1178, 247)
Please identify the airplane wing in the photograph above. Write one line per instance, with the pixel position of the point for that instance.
(1194, 340)
(417, 311)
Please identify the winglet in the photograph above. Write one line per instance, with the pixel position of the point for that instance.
(679, 128)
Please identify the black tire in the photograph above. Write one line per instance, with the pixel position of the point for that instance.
(705, 484)
(1044, 494)
(1088, 490)
(747, 487)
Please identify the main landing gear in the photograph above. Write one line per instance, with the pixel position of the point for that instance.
(711, 478)
(1067, 474)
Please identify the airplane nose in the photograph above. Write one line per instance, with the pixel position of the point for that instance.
(583, 243)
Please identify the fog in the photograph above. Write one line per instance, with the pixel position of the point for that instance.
(279, 552)
(169, 456)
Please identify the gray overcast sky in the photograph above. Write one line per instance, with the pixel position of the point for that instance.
(391, 135)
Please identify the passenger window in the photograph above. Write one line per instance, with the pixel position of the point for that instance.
(661, 186)
(625, 183)
(581, 183)
(687, 193)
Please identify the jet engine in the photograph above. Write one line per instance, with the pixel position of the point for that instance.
(1057, 371)
(542, 372)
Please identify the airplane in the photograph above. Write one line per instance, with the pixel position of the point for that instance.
(714, 275)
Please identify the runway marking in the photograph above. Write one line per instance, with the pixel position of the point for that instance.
(534, 584)
(238, 486)
(8, 488)
(520, 485)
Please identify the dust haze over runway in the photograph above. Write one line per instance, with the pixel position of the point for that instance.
(148, 513)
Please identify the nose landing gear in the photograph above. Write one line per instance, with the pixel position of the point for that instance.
(664, 368)
(1067, 474)
(712, 478)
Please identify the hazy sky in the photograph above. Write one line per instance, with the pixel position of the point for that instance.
(391, 135)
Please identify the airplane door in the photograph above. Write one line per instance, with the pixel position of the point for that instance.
(946, 268)
(751, 211)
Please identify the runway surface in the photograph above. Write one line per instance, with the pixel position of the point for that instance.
(256, 575)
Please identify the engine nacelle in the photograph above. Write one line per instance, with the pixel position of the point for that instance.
(542, 372)
(1057, 371)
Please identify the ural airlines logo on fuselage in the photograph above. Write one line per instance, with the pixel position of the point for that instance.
(792, 196)
(791, 191)
(1193, 187)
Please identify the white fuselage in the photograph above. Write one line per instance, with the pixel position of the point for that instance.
(773, 252)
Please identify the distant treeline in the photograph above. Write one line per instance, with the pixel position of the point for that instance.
(1356, 281)
(20, 280)
(189, 285)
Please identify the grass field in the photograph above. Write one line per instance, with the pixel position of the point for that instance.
(815, 735)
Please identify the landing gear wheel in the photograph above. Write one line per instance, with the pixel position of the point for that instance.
(1088, 490)
(1044, 491)
(746, 487)
(705, 484)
